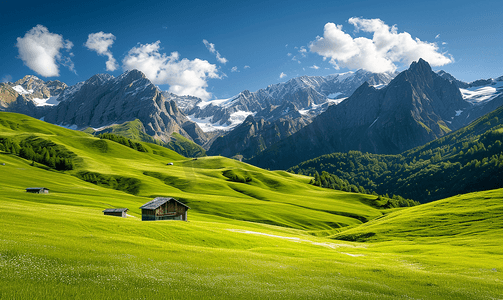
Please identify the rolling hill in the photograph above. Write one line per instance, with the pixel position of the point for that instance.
(273, 236)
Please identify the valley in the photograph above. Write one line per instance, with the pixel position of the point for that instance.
(251, 233)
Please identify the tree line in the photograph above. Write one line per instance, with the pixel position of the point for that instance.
(41, 151)
(123, 141)
(447, 167)
(332, 181)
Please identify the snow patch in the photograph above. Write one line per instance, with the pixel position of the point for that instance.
(334, 95)
(479, 94)
(379, 86)
(207, 124)
(51, 101)
(218, 102)
(337, 101)
(458, 113)
(103, 127)
(20, 90)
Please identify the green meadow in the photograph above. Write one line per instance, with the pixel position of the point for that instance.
(252, 233)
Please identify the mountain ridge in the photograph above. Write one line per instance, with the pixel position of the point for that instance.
(377, 120)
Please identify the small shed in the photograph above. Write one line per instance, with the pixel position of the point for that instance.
(162, 208)
(37, 190)
(118, 212)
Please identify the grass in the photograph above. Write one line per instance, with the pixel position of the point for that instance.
(274, 237)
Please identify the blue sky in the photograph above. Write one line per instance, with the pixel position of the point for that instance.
(217, 49)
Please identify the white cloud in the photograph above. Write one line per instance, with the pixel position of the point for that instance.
(185, 77)
(303, 51)
(314, 67)
(211, 48)
(39, 49)
(282, 75)
(6, 78)
(100, 42)
(437, 36)
(379, 54)
(246, 67)
(235, 69)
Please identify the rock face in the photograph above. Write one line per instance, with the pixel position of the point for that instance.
(306, 93)
(255, 135)
(33, 87)
(416, 107)
(103, 100)
(285, 108)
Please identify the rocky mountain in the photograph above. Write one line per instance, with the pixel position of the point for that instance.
(40, 92)
(416, 107)
(276, 112)
(310, 95)
(255, 135)
(103, 100)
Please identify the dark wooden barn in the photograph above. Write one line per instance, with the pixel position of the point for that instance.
(118, 212)
(37, 190)
(164, 209)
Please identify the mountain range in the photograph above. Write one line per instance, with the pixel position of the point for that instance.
(275, 127)
(416, 107)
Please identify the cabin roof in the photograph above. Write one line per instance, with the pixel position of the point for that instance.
(37, 188)
(158, 202)
(113, 210)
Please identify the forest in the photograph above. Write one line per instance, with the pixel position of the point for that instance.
(468, 160)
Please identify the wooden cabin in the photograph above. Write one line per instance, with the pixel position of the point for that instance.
(37, 190)
(164, 209)
(118, 212)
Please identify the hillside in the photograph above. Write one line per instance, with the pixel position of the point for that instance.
(136, 131)
(204, 184)
(467, 160)
(271, 236)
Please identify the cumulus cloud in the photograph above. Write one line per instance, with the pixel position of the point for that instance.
(314, 67)
(235, 69)
(40, 50)
(246, 67)
(282, 75)
(211, 48)
(185, 77)
(379, 54)
(100, 42)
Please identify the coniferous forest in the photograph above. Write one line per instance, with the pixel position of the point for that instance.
(468, 160)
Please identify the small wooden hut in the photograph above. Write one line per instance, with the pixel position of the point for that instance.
(118, 212)
(164, 209)
(37, 190)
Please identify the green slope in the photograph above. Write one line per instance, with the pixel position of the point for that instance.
(263, 239)
(136, 131)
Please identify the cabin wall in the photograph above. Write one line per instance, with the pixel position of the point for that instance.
(168, 211)
(116, 214)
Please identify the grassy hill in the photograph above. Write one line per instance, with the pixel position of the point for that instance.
(136, 131)
(252, 234)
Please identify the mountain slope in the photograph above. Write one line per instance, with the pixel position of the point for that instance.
(103, 100)
(467, 160)
(416, 107)
(305, 93)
